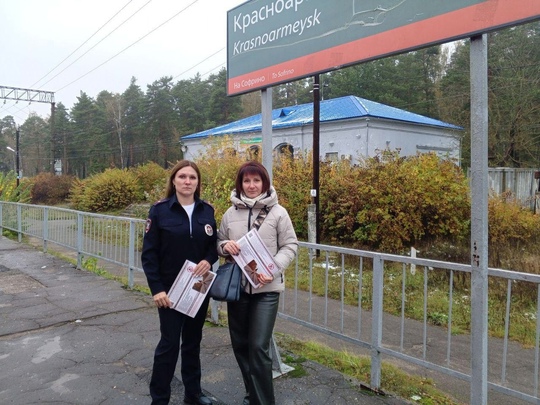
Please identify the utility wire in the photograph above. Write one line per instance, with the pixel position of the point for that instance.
(67, 57)
(129, 46)
(105, 37)
(80, 46)
(194, 66)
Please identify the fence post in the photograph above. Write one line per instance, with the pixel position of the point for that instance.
(45, 228)
(376, 324)
(214, 305)
(79, 239)
(19, 223)
(131, 253)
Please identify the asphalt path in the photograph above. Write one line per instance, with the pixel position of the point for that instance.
(68, 336)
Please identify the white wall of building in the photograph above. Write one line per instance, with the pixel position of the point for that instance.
(354, 139)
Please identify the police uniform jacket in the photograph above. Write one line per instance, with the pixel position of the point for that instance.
(168, 241)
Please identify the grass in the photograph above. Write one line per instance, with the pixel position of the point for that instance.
(91, 264)
(334, 275)
(295, 352)
(393, 380)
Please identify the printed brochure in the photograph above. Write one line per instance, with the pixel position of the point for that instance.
(188, 291)
(254, 258)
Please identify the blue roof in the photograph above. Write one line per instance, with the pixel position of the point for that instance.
(336, 109)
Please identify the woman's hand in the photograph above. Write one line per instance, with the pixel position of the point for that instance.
(202, 268)
(264, 279)
(231, 247)
(162, 300)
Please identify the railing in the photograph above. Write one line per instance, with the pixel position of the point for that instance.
(110, 240)
(337, 291)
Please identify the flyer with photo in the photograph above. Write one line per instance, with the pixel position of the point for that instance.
(254, 258)
(188, 291)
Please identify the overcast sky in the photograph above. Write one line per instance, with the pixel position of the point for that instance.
(69, 46)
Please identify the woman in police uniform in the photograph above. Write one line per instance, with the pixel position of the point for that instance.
(179, 227)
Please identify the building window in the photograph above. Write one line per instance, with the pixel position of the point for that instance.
(253, 152)
(283, 151)
(332, 157)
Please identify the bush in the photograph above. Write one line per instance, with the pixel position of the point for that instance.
(50, 189)
(292, 180)
(391, 204)
(111, 190)
(152, 178)
(218, 168)
(386, 203)
(9, 190)
(514, 233)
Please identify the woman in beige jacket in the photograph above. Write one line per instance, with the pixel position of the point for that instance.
(252, 319)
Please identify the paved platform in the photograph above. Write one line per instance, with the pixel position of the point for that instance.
(71, 337)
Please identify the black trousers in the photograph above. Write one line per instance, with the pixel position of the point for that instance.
(176, 327)
(251, 322)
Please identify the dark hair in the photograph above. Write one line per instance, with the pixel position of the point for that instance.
(252, 167)
(169, 190)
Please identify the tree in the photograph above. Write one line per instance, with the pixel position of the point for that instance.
(7, 138)
(293, 93)
(251, 104)
(415, 90)
(111, 107)
(221, 109)
(191, 98)
(514, 107)
(84, 145)
(63, 131)
(162, 120)
(514, 96)
(34, 151)
(134, 123)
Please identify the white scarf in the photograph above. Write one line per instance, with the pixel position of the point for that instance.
(250, 202)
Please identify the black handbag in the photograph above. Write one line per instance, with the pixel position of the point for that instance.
(227, 283)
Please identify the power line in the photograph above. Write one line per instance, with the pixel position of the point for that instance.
(202, 61)
(168, 20)
(80, 46)
(105, 37)
(129, 46)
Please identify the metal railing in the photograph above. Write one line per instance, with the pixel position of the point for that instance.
(109, 240)
(340, 292)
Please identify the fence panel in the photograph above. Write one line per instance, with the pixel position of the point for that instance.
(521, 183)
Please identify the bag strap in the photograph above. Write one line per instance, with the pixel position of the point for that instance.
(261, 217)
(257, 224)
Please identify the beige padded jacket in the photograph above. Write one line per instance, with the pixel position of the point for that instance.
(276, 231)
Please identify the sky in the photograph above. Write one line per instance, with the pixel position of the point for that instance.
(73, 46)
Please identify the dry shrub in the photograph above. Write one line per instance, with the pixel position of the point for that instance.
(50, 189)
(218, 165)
(393, 203)
(514, 234)
(292, 179)
(111, 190)
(152, 179)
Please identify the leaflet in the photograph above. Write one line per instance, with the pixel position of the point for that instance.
(188, 291)
(254, 258)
